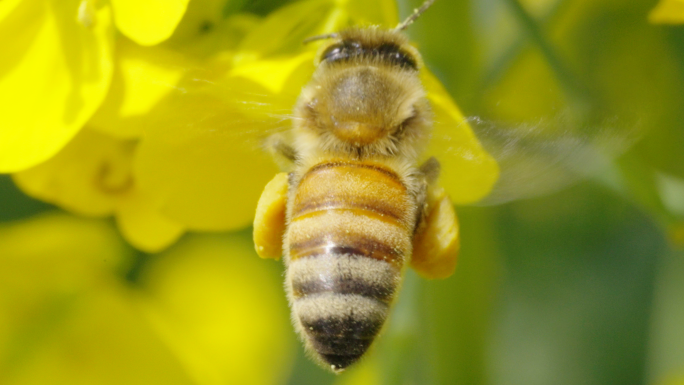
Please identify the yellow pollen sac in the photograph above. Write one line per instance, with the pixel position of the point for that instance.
(269, 221)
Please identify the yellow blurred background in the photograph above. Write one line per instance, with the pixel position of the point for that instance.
(129, 140)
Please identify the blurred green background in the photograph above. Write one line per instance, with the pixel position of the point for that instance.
(580, 286)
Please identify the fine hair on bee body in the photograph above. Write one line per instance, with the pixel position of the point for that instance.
(357, 207)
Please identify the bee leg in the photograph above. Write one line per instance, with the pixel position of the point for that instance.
(430, 169)
(269, 220)
(279, 146)
(436, 243)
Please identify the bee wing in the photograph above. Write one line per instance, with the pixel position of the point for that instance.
(542, 157)
(491, 163)
(204, 149)
(232, 108)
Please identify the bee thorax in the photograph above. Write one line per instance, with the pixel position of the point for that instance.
(365, 98)
(358, 133)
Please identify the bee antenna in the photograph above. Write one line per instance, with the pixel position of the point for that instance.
(320, 37)
(416, 13)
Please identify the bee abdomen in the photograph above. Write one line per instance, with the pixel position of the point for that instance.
(348, 239)
(341, 337)
(340, 303)
(351, 208)
(369, 188)
(302, 287)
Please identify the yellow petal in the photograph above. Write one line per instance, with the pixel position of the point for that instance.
(54, 73)
(142, 77)
(93, 176)
(205, 30)
(202, 162)
(86, 177)
(6, 8)
(468, 171)
(64, 319)
(284, 30)
(667, 12)
(201, 38)
(148, 22)
(101, 340)
(220, 310)
(143, 227)
(60, 251)
(200, 17)
(382, 12)
(274, 74)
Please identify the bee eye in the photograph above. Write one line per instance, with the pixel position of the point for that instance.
(342, 51)
(389, 53)
(333, 53)
(394, 54)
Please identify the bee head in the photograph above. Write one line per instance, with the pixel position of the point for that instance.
(365, 94)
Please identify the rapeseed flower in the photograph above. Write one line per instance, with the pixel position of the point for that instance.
(154, 113)
(56, 69)
(175, 144)
(68, 316)
(92, 176)
(58, 66)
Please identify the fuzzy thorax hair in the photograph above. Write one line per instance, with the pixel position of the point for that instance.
(365, 98)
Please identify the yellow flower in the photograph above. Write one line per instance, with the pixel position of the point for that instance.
(188, 118)
(667, 12)
(92, 176)
(65, 319)
(54, 73)
(220, 311)
(57, 67)
(148, 22)
(143, 76)
(206, 312)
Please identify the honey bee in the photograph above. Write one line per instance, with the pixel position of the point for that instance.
(358, 208)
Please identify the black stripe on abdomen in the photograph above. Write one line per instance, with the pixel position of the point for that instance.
(380, 291)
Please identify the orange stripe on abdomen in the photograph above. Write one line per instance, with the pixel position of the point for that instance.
(351, 208)
(352, 185)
